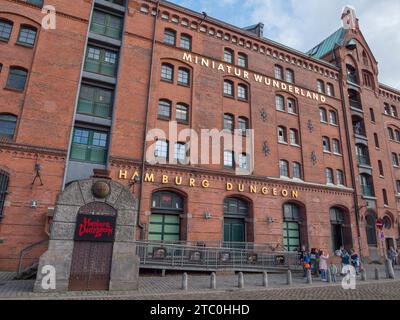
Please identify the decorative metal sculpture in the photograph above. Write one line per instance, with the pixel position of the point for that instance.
(264, 115)
(266, 149)
(314, 158)
(310, 126)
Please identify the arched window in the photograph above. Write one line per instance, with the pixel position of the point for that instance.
(243, 125)
(393, 111)
(229, 122)
(243, 92)
(229, 160)
(340, 178)
(380, 167)
(289, 76)
(323, 116)
(365, 58)
(329, 176)
(284, 168)
(166, 208)
(280, 103)
(391, 133)
(296, 170)
(291, 227)
(336, 146)
(161, 152)
(292, 108)
(242, 60)
(368, 79)
(184, 76)
(17, 78)
(330, 90)
(397, 135)
(385, 197)
(326, 144)
(333, 117)
(27, 35)
(228, 88)
(320, 86)
(243, 161)
(358, 125)
(370, 229)
(294, 137)
(387, 222)
(8, 123)
(341, 229)
(362, 153)
(180, 153)
(386, 109)
(4, 178)
(182, 113)
(367, 185)
(170, 37)
(5, 29)
(355, 99)
(278, 72)
(167, 72)
(235, 213)
(228, 55)
(351, 74)
(164, 109)
(186, 42)
(282, 134)
(395, 159)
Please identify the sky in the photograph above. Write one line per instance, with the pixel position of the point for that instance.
(302, 24)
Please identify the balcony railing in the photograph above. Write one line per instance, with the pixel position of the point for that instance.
(93, 108)
(352, 78)
(359, 130)
(101, 68)
(106, 30)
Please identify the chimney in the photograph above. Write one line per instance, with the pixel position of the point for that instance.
(349, 18)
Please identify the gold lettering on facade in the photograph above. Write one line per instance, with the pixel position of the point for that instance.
(178, 181)
(205, 184)
(241, 187)
(192, 182)
(253, 189)
(123, 174)
(285, 193)
(295, 194)
(165, 179)
(229, 186)
(149, 177)
(264, 190)
(275, 191)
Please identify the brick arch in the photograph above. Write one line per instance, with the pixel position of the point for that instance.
(36, 21)
(176, 63)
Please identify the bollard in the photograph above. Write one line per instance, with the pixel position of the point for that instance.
(363, 275)
(309, 277)
(163, 273)
(213, 281)
(377, 274)
(389, 269)
(289, 278)
(265, 279)
(241, 280)
(328, 276)
(185, 281)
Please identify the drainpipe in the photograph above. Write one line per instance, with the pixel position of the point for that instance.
(350, 151)
(149, 89)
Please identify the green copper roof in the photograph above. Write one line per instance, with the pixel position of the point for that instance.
(328, 44)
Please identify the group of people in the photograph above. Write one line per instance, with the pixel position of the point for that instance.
(317, 261)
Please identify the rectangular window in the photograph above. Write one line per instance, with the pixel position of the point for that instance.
(4, 178)
(183, 77)
(228, 159)
(340, 177)
(106, 24)
(89, 145)
(296, 170)
(186, 42)
(101, 61)
(95, 101)
(180, 152)
(284, 168)
(17, 79)
(164, 227)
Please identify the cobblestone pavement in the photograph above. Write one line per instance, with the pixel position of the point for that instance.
(227, 288)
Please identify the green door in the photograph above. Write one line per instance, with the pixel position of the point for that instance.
(234, 230)
(291, 236)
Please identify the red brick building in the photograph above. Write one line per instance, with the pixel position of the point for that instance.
(84, 95)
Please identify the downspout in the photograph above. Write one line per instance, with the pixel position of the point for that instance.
(350, 151)
(149, 88)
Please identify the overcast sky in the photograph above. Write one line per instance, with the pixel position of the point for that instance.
(301, 24)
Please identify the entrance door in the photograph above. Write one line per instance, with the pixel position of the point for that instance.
(234, 230)
(91, 266)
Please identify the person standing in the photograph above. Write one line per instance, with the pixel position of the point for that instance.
(323, 265)
(355, 261)
(345, 259)
(392, 255)
(333, 268)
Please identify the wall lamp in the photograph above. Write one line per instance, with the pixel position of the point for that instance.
(207, 215)
(34, 204)
(270, 220)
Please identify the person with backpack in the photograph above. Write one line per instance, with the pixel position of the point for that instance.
(313, 261)
(345, 259)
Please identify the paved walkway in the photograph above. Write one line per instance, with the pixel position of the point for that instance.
(227, 288)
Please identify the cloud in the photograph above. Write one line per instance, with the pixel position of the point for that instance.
(301, 24)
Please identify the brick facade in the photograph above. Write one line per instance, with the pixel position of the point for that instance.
(46, 112)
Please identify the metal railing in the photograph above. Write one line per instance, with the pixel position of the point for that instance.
(184, 256)
(29, 256)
